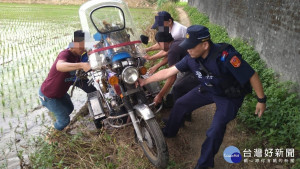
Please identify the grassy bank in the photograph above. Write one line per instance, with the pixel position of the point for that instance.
(279, 127)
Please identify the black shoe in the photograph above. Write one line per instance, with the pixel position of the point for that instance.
(165, 121)
(199, 167)
(188, 117)
(166, 134)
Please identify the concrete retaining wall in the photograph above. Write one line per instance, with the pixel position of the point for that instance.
(271, 26)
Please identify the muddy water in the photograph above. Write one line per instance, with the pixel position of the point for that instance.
(18, 133)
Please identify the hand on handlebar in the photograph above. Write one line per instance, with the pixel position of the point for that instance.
(152, 70)
(157, 100)
(140, 82)
(147, 57)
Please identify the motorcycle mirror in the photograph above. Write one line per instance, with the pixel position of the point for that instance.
(144, 39)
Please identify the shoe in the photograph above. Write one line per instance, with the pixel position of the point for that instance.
(165, 121)
(199, 167)
(188, 117)
(166, 134)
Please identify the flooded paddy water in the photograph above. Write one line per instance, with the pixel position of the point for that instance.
(31, 36)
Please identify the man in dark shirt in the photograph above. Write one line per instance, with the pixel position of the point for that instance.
(175, 54)
(53, 92)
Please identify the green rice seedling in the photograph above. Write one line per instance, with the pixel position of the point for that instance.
(26, 112)
(3, 102)
(15, 86)
(3, 115)
(10, 125)
(11, 112)
(13, 73)
(19, 104)
(18, 118)
(1, 130)
(25, 125)
(16, 94)
(21, 93)
(43, 116)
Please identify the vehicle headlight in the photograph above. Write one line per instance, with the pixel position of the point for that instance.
(130, 75)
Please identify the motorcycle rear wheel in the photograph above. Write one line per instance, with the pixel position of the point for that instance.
(154, 145)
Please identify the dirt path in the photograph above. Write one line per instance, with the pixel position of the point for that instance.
(183, 17)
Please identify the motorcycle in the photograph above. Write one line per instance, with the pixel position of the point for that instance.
(115, 54)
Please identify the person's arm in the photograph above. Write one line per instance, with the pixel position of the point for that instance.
(258, 88)
(158, 55)
(161, 75)
(153, 47)
(64, 66)
(158, 65)
(170, 81)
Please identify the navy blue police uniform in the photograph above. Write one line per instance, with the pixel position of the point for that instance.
(224, 80)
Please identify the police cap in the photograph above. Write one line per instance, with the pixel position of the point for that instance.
(195, 34)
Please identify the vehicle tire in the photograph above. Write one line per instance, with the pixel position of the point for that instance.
(154, 144)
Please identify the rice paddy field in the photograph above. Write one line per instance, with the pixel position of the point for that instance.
(31, 36)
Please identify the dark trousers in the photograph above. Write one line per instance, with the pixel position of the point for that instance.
(63, 107)
(184, 84)
(226, 111)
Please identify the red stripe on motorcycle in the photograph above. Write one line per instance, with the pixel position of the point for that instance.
(115, 46)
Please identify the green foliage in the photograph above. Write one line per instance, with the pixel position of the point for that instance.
(163, 2)
(279, 127)
(181, 3)
(45, 156)
(171, 8)
(88, 149)
(152, 1)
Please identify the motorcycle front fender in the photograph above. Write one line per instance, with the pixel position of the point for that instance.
(145, 112)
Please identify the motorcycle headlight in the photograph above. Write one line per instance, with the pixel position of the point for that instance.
(130, 75)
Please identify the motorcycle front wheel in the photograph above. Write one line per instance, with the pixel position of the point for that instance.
(154, 145)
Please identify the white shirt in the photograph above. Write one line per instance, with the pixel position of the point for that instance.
(178, 31)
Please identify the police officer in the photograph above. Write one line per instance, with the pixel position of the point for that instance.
(225, 79)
